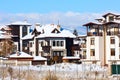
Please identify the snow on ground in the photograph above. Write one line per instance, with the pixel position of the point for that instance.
(65, 67)
(65, 71)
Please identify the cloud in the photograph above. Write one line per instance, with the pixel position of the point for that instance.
(69, 20)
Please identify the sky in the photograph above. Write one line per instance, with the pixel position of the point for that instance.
(71, 14)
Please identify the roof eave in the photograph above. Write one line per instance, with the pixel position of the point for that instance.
(91, 23)
(111, 23)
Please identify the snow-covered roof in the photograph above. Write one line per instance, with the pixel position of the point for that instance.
(71, 57)
(46, 28)
(66, 33)
(20, 23)
(5, 36)
(29, 36)
(46, 31)
(117, 21)
(2, 32)
(39, 58)
(62, 34)
(20, 55)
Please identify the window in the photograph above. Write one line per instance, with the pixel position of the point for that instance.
(92, 41)
(54, 53)
(61, 43)
(30, 44)
(1, 44)
(53, 43)
(112, 40)
(31, 53)
(41, 43)
(92, 52)
(48, 43)
(112, 52)
(57, 53)
(111, 18)
(58, 43)
(24, 31)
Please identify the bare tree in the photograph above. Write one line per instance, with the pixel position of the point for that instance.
(10, 70)
(7, 47)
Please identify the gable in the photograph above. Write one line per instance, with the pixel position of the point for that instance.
(2, 29)
(55, 31)
(35, 32)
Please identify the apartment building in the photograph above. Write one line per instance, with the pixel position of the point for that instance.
(103, 40)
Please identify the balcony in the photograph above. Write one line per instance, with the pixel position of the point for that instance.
(113, 33)
(94, 34)
(83, 45)
(46, 48)
(75, 47)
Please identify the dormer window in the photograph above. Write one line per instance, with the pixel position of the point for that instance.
(55, 31)
(111, 18)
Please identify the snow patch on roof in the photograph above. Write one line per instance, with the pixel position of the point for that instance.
(39, 58)
(71, 57)
(19, 55)
(20, 23)
(29, 36)
(46, 31)
(5, 36)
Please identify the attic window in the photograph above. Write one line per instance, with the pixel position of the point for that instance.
(55, 31)
(111, 18)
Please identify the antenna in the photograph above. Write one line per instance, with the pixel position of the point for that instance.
(58, 21)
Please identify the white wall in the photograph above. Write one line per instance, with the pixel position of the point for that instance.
(109, 46)
(32, 49)
(98, 47)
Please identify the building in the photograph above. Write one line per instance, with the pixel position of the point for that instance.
(18, 30)
(81, 40)
(50, 41)
(103, 40)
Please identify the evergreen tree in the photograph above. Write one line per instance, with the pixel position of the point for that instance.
(75, 32)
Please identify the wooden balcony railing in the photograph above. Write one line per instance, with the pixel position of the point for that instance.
(94, 34)
(83, 45)
(113, 33)
(46, 48)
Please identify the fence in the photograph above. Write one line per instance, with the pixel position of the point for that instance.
(27, 72)
(14, 62)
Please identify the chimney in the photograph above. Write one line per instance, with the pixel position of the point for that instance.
(25, 21)
(58, 27)
(37, 25)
